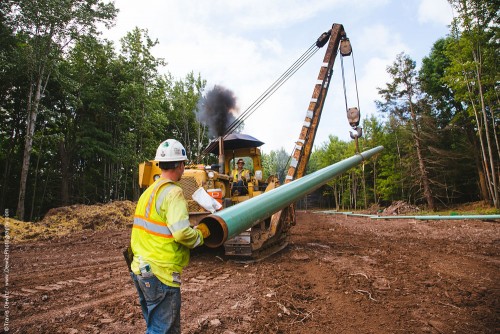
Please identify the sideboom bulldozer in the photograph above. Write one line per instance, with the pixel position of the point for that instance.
(270, 234)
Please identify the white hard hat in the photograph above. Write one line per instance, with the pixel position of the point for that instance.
(171, 150)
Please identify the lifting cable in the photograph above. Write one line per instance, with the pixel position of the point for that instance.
(355, 79)
(272, 89)
(345, 93)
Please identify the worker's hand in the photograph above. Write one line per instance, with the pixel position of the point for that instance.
(205, 232)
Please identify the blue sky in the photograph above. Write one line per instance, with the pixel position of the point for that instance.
(246, 45)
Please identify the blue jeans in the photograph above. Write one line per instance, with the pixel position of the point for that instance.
(160, 304)
(241, 187)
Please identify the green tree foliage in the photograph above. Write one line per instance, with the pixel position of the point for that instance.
(354, 189)
(374, 135)
(183, 115)
(473, 76)
(457, 150)
(101, 114)
(329, 153)
(395, 178)
(402, 98)
(79, 115)
(13, 93)
(48, 27)
(276, 163)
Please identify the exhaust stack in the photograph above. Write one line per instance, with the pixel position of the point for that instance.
(221, 155)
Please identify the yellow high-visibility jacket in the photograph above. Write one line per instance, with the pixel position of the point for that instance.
(244, 175)
(161, 234)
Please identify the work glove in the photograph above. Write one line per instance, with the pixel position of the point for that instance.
(205, 232)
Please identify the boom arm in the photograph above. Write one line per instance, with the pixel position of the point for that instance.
(304, 145)
(270, 234)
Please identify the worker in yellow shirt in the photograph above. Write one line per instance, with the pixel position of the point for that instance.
(240, 177)
(161, 241)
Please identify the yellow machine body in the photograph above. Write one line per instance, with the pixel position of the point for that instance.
(212, 181)
(269, 235)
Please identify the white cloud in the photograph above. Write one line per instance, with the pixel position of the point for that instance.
(435, 11)
(379, 53)
(246, 46)
(381, 40)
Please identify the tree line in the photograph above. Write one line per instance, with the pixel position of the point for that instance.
(438, 124)
(78, 115)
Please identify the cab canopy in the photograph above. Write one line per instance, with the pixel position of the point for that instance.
(233, 141)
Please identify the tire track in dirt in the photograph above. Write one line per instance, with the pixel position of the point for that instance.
(50, 282)
(423, 277)
(25, 290)
(62, 311)
(50, 270)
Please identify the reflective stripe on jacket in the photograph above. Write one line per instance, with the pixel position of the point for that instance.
(244, 175)
(161, 234)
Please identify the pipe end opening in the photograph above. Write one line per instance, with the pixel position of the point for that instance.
(218, 231)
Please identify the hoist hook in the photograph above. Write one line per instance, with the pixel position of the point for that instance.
(358, 134)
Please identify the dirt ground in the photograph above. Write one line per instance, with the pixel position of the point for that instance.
(339, 274)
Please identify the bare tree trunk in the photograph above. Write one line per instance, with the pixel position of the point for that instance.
(375, 181)
(135, 185)
(335, 195)
(355, 190)
(340, 195)
(480, 126)
(40, 205)
(125, 184)
(495, 134)
(400, 159)
(105, 178)
(4, 182)
(116, 193)
(364, 186)
(483, 187)
(64, 173)
(32, 112)
(494, 178)
(6, 173)
(482, 180)
(200, 135)
(35, 181)
(421, 162)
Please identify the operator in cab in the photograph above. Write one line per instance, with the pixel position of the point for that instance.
(240, 177)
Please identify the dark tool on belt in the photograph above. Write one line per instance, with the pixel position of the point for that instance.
(129, 257)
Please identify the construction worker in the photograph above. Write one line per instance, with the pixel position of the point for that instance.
(240, 178)
(161, 241)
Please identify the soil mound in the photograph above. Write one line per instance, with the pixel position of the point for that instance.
(68, 219)
(400, 208)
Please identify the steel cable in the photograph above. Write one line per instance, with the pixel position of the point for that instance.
(272, 89)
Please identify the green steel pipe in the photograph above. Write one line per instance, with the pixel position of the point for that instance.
(432, 217)
(233, 220)
(436, 217)
(360, 215)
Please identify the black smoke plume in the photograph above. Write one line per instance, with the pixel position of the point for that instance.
(217, 110)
